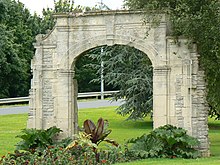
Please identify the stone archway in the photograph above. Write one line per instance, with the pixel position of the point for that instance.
(178, 82)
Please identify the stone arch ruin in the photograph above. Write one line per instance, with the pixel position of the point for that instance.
(178, 83)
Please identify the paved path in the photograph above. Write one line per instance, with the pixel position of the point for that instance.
(87, 104)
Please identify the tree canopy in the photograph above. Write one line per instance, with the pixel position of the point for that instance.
(16, 50)
(130, 71)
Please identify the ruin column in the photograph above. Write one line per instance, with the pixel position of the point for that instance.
(160, 96)
(35, 104)
(65, 103)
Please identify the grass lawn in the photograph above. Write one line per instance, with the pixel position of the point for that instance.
(10, 126)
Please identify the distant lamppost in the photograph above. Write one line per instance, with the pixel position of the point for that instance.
(102, 68)
(102, 76)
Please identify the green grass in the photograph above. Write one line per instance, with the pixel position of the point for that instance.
(10, 126)
(214, 135)
(201, 161)
(121, 129)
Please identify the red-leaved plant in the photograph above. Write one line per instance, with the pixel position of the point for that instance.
(98, 133)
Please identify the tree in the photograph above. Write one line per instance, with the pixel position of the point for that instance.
(85, 74)
(18, 29)
(199, 21)
(129, 70)
(9, 60)
(16, 49)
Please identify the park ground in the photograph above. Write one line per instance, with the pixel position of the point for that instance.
(122, 130)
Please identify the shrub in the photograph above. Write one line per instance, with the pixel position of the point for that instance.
(167, 141)
(98, 133)
(33, 138)
(41, 147)
(51, 155)
(80, 151)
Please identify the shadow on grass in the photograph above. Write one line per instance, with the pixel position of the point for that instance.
(214, 126)
(141, 124)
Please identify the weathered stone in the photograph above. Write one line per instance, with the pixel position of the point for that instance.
(178, 82)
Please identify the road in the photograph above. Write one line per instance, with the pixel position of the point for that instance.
(81, 105)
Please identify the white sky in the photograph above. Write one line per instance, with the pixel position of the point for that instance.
(38, 5)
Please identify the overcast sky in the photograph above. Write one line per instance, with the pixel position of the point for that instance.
(38, 5)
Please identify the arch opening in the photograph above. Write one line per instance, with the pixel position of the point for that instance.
(125, 69)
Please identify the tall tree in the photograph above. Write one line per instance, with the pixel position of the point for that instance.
(129, 70)
(85, 74)
(9, 61)
(16, 48)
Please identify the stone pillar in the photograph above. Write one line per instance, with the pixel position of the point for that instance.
(65, 103)
(160, 96)
(199, 105)
(35, 104)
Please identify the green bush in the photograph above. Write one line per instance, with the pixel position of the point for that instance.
(167, 141)
(80, 151)
(164, 142)
(41, 147)
(33, 138)
(56, 155)
(51, 155)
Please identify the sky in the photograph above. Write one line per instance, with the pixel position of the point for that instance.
(38, 5)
